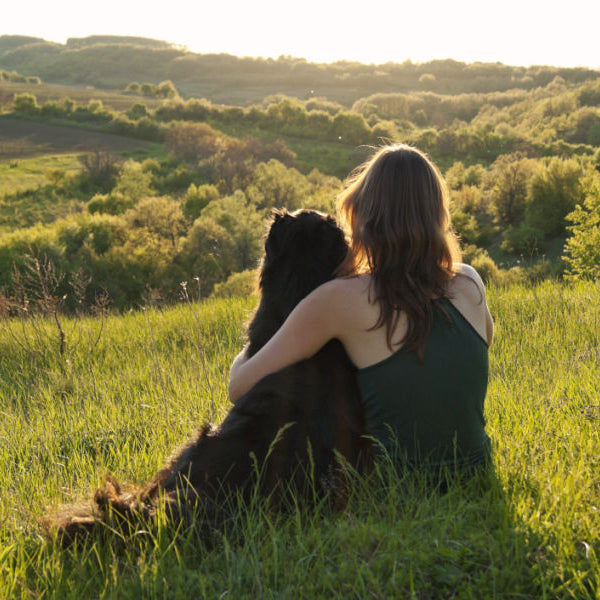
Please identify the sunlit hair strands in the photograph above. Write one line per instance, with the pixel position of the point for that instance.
(396, 208)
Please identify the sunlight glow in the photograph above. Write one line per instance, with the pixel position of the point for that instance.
(512, 32)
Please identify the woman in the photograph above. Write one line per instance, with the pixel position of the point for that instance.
(412, 318)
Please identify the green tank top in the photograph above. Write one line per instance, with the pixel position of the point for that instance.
(431, 412)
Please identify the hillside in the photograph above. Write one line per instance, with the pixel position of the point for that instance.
(114, 62)
(154, 189)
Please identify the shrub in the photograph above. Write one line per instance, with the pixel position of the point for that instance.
(196, 198)
(525, 239)
(209, 253)
(137, 111)
(482, 262)
(582, 248)
(553, 191)
(241, 284)
(26, 104)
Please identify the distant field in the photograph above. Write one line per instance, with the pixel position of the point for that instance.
(28, 173)
(82, 95)
(26, 138)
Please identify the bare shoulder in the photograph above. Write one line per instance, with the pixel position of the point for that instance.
(468, 284)
(467, 293)
(344, 290)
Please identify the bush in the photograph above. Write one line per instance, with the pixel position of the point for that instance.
(525, 240)
(582, 248)
(241, 284)
(26, 104)
(552, 193)
(209, 253)
(482, 262)
(196, 198)
(137, 111)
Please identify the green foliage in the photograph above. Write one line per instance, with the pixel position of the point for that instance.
(165, 89)
(469, 206)
(193, 141)
(275, 185)
(514, 160)
(15, 77)
(26, 104)
(113, 62)
(100, 168)
(525, 240)
(553, 191)
(160, 216)
(244, 222)
(237, 285)
(481, 261)
(137, 111)
(582, 248)
(508, 182)
(196, 198)
(132, 184)
(209, 253)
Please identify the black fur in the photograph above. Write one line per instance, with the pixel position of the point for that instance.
(285, 433)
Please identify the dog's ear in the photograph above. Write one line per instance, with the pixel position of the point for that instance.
(277, 234)
(278, 213)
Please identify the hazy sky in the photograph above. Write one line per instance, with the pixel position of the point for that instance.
(515, 32)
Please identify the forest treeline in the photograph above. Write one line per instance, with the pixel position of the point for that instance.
(113, 62)
(522, 167)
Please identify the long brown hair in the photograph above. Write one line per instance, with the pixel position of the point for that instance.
(396, 208)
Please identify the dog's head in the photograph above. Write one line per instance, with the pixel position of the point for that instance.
(302, 251)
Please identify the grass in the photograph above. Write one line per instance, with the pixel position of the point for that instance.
(19, 175)
(530, 529)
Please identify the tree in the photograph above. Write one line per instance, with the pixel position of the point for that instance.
(209, 253)
(553, 192)
(134, 183)
(160, 215)
(194, 141)
(582, 248)
(100, 168)
(274, 185)
(508, 186)
(196, 198)
(166, 89)
(243, 222)
(137, 111)
(26, 104)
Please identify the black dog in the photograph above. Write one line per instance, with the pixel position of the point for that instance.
(291, 433)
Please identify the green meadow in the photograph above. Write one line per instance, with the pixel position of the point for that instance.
(127, 390)
(31, 173)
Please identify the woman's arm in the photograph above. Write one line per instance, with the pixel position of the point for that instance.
(313, 322)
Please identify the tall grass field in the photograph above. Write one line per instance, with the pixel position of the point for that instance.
(127, 390)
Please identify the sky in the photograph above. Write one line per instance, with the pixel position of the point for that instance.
(514, 32)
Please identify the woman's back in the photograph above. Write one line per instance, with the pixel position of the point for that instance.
(428, 408)
(351, 300)
(431, 411)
